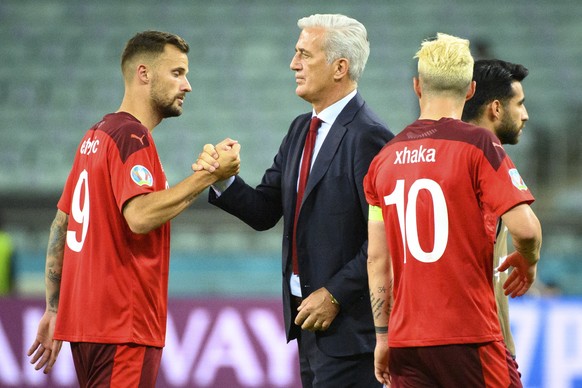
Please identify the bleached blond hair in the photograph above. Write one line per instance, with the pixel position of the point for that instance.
(445, 65)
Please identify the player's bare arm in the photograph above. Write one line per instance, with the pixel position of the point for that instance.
(45, 350)
(54, 260)
(526, 234)
(380, 281)
(525, 230)
(147, 212)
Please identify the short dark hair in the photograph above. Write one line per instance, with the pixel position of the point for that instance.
(494, 78)
(151, 42)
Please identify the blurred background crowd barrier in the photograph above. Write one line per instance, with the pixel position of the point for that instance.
(60, 73)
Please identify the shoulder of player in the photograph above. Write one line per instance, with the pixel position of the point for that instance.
(126, 133)
(121, 124)
(483, 140)
(469, 133)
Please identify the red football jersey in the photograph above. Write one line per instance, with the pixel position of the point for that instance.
(442, 186)
(114, 284)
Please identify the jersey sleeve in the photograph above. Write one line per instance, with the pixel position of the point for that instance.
(503, 188)
(369, 184)
(134, 166)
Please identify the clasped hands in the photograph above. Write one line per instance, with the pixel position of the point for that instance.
(222, 160)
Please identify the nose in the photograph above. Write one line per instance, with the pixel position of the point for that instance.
(524, 115)
(187, 87)
(294, 65)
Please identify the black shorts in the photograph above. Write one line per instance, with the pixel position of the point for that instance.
(485, 365)
(116, 365)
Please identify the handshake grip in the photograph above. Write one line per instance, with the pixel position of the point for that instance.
(221, 160)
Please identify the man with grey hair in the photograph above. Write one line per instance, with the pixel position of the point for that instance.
(325, 289)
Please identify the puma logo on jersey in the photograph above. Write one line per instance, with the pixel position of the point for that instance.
(417, 155)
(134, 136)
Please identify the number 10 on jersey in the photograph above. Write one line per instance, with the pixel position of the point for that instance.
(408, 221)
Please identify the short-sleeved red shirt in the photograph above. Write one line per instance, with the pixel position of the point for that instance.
(115, 283)
(442, 186)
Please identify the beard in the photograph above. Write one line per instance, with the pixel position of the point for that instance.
(508, 132)
(164, 105)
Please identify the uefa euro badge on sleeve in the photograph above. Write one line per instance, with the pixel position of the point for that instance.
(141, 176)
(516, 179)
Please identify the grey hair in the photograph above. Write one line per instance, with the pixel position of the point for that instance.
(344, 38)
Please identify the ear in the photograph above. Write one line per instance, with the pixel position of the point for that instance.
(143, 74)
(471, 91)
(342, 67)
(495, 110)
(416, 87)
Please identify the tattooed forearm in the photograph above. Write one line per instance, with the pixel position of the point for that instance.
(53, 297)
(58, 232)
(54, 260)
(381, 303)
(377, 306)
(53, 302)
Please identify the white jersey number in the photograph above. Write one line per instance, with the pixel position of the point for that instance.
(79, 212)
(407, 218)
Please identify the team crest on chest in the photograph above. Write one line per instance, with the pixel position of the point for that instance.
(141, 176)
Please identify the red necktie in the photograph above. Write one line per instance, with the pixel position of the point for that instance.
(303, 175)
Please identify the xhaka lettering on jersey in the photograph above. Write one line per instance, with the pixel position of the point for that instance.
(418, 155)
(89, 147)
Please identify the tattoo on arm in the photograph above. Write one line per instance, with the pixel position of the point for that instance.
(382, 306)
(377, 305)
(54, 259)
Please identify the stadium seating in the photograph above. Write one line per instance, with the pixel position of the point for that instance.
(59, 74)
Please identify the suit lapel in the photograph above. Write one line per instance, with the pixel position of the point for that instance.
(328, 150)
(332, 142)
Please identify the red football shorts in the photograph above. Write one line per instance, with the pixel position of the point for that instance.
(484, 365)
(116, 365)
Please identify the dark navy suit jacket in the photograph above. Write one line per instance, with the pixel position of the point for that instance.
(332, 225)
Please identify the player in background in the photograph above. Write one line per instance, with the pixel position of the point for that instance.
(107, 259)
(499, 105)
(435, 193)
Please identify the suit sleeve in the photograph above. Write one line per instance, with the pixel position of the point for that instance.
(257, 207)
(261, 207)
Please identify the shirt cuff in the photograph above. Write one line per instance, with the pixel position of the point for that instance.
(221, 186)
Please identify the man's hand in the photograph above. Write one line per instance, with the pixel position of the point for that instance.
(208, 159)
(45, 348)
(228, 161)
(522, 275)
(381, 357)
(317, 311)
